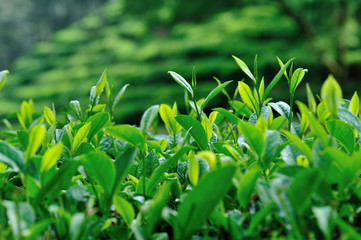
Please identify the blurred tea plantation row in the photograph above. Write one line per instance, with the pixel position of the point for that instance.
(139, 41)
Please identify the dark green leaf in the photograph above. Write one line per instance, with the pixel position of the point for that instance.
(98, 121)
(127, 133)
(12, 157)
(350, 118)
(101, 168)
(195, 129)
(163, 168)
(246, 187)
(213, 93)
(200, 202)
(21, 216)
(276, 78)
(59, 181)
(342, 132)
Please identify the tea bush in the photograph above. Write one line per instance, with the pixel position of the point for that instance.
(254, 169)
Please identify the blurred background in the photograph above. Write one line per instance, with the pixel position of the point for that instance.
(57, 50)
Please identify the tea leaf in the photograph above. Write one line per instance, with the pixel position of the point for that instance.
(193, 170)
(213, 93)
(127, 133)
(331, 93)
(247, 95)
(36, 136)
(102, 169)
(50, 157)
(276, 78)
(148, 117)
(195, 130)
(246, 187)
(163, 168)
(354, 104)
(200, 202)
(302, 146)
(245, 68)
(342, 132)
(75, 106)
(124, 208)
(311, 99)
(254, 136)
(99, 87)
(80, 136)
(296, 78)
(167, 115)
(12, 157)
(181, 81)
(97, 122)
(119, 96)
(3, 75)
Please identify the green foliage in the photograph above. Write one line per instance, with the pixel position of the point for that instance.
(248, 170)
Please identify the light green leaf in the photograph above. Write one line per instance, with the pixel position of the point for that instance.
(99, 87)
(49, 116)
(247, 96)
(80, 136)
(75, 106)
(297, 77)
(148, 116)
(311, 99)
(181, 81)
(119, 96)
(167, 115)
(51, 156)
(195, 130)
(244, 68)
(36, 136)
(3, 75)
(331, 93)
(193, 170)
(354, 104)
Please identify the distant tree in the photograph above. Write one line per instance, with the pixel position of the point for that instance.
(332, 28)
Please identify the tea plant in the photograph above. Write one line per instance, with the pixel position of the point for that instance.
(253, 170)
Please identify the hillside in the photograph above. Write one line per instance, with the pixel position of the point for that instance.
(136, 50)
